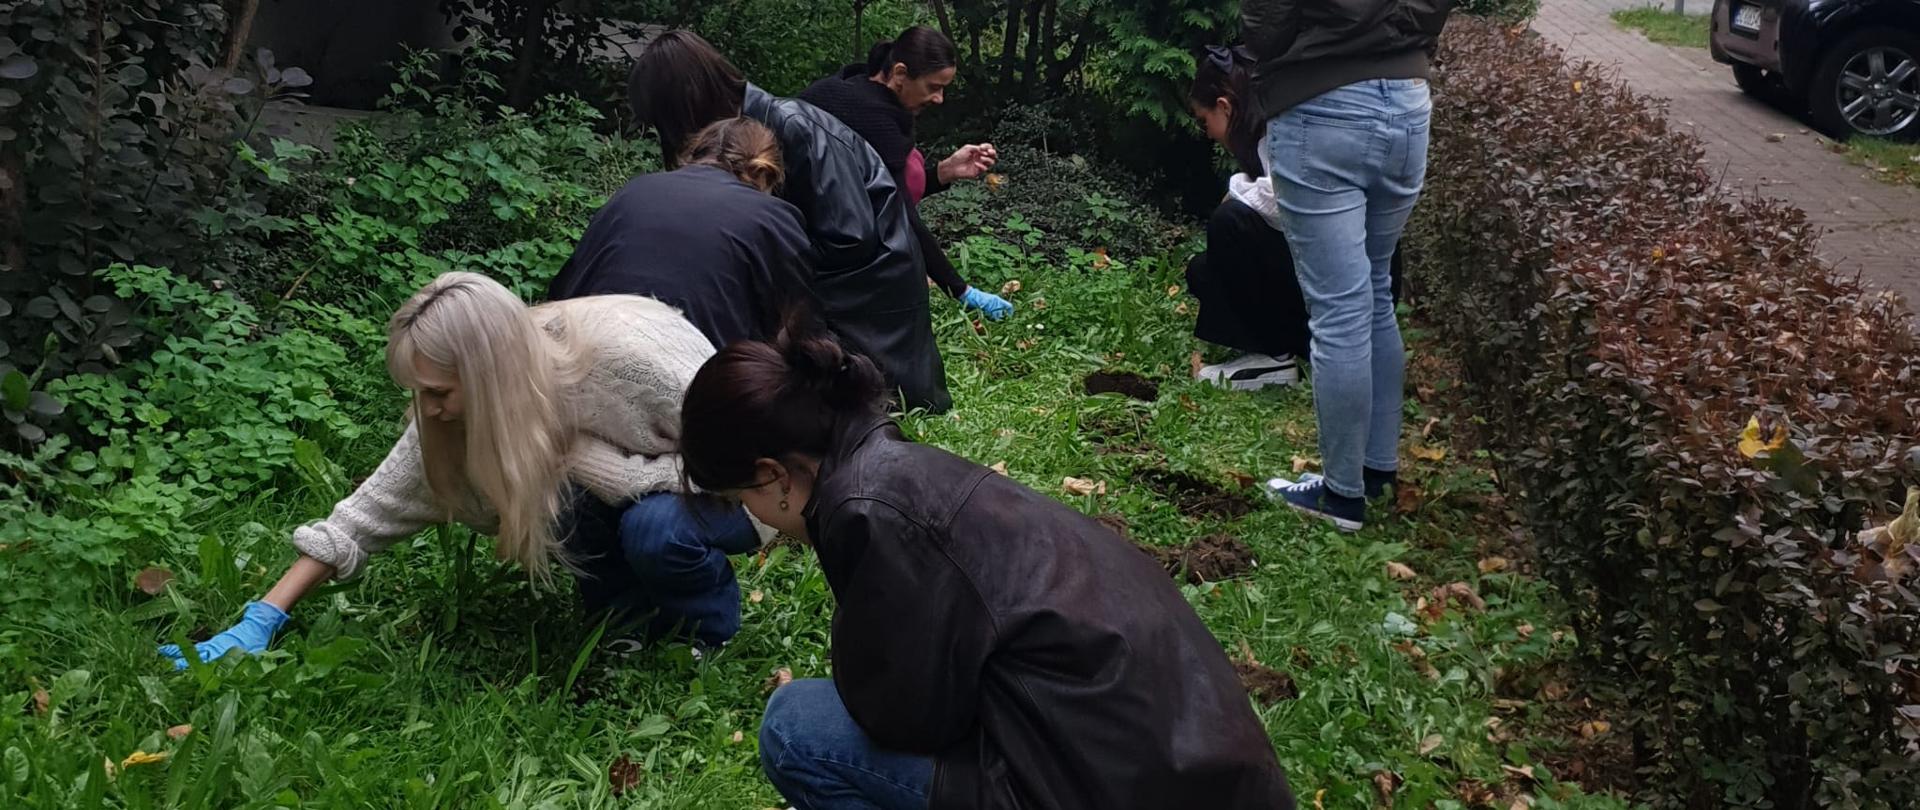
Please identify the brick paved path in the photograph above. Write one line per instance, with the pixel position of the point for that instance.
(1872, 228)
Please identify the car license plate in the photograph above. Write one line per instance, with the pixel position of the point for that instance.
(1746, 18)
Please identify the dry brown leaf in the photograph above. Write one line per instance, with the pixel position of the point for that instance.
(1010, 287)
(1594, 728)
(995, 180)
(1180, 308)
(1427, 431)
(739, 736)
(1554, 691)
(1461, 593)
(1399, 571)
(144, 758)
(41, 700)
(1023, 344)
(780, 677)
(1194, 363)
(623, 775)
(1521, 802)
(1426, 452)
(1493, 565)
(179, 732)
(1524, 772)
(1509, 704)
(152, 580)
(1431, 743)
(1301, 463)
(1525, 630)
(1384, 784)
(1407, 497)
(756, 597)
(999, 467)
(1083, 487)
(1173, 291)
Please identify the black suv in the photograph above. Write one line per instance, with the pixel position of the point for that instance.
(1854, 63)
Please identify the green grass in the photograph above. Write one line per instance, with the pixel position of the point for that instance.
(1896, 162)
(1665, 27)
(422, 686)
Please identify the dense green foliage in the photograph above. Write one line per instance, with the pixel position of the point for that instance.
(1622, 320)
(120, 141)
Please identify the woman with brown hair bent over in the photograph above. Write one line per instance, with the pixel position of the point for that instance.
(992, 648)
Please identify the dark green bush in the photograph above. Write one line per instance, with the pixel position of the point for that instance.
(1621, 320)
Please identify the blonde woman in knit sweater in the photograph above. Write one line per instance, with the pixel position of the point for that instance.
(555, 428)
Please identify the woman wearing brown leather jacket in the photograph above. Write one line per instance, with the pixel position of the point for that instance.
(992, 648)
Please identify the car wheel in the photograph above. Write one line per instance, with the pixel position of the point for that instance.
(1757, 83)
(1869, 84)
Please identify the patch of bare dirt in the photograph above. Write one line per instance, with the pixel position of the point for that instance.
(1213, 558)
(1123, 383)
(1195, 496)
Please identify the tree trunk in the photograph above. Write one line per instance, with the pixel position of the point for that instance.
(859, 30)
(1081, 38)
(13, 197)
(946, 24)
(1030, 72)
(1049, 38)
(527, 53)
(239, 28)
(1010, 45)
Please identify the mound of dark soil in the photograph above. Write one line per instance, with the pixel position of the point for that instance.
(1194, 496)
(1265, 684)
(1214, 558)
(1121, 382)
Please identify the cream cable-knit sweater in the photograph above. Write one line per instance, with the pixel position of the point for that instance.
(641, 355)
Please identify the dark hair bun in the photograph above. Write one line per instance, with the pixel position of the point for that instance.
(817, 362)
(878, 57)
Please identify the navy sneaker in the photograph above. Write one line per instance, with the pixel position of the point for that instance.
(1311, 496)
(1374, 483)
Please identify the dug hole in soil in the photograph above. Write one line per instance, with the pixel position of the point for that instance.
(1121, 382)
(1266, 684)
(1194, 496)
(1213, 558)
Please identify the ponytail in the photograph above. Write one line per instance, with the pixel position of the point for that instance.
(783, 399)
(923, 50)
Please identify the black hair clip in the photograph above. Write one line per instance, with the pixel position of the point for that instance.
(1220, 56)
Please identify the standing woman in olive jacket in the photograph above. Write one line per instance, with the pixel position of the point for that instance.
(868, 278)
(879, 100)
(992, 648)
(1342, 86)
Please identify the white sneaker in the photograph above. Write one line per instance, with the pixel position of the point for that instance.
(1252, 372)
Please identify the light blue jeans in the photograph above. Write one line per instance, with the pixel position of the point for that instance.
(1347, 169)
(813, 751)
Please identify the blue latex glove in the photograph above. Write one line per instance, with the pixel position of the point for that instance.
(252, 633)
(993, 306)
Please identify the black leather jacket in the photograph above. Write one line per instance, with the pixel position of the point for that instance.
(1308, 47)
(1040, 658)
(869, 280)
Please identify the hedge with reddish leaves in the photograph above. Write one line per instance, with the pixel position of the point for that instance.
(1620, 319)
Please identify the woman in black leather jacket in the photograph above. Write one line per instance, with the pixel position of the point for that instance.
(992, 648)
(869, 278)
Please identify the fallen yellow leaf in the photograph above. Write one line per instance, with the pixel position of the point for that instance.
(1083, 487)
(143, 758)
(1579, 87)
(1751, 443)
(995, 181)
(1493, 565)
(1428, 452)
(1319, 795)
(1431, 743)
(756, 597)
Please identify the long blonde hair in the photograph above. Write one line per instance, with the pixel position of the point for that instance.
(510, 445)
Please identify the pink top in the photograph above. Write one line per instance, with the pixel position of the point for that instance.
(916, 176)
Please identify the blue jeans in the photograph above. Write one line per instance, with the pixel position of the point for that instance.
(820, 759)
(1347, 169)
(659, 566)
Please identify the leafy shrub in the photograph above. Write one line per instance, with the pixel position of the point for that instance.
(1621, 320)
(119, 141)
(1056, 201)
(1510, 12)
